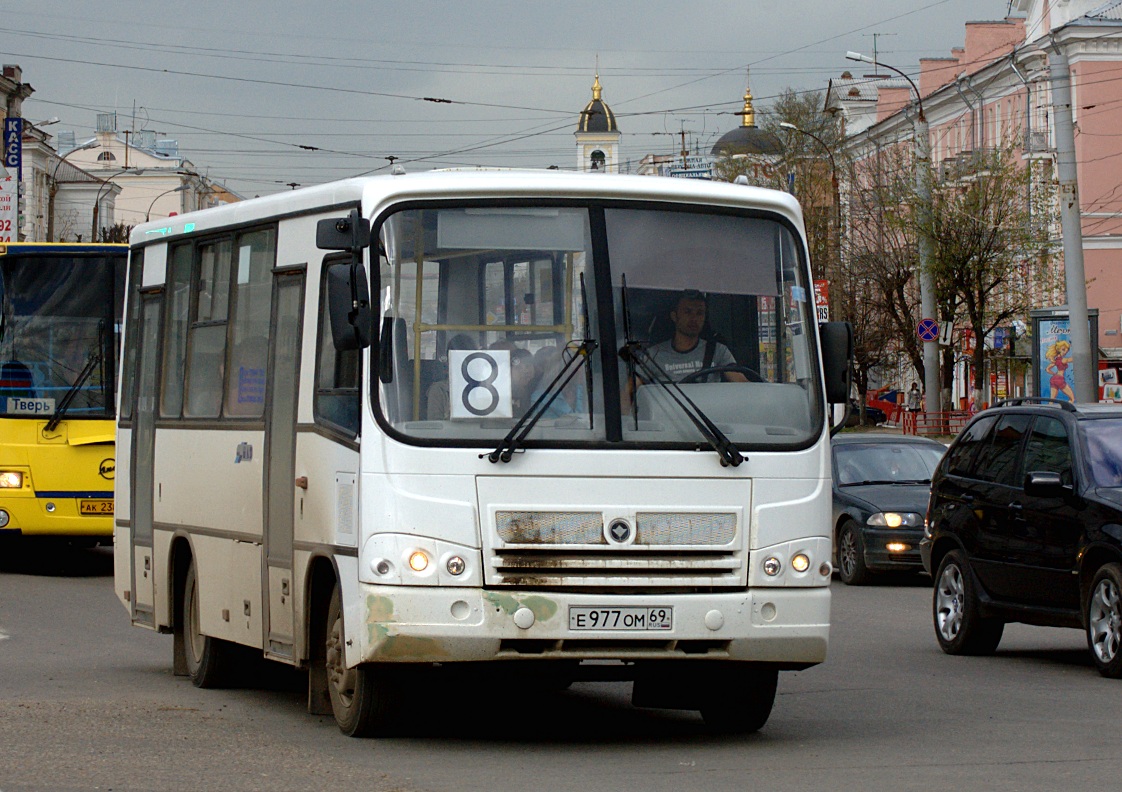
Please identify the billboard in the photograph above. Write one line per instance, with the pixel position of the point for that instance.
(1055, 372)
(9, 180)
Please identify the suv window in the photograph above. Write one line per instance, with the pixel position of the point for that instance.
(1104, 439)
(960, 457)
(1048, 449)
(997, 458)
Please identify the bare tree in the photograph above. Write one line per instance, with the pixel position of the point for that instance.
(116, 233)
(986, 239)
(881, 259)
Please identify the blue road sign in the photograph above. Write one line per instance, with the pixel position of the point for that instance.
(13, 143)
(928, 330)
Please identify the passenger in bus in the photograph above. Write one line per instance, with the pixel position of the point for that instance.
(523, 378)
(686, 352)
(548, 361)
(437, 405)
(523, 375)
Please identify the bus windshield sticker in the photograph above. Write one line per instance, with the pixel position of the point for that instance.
(21, 406)
(480, 381)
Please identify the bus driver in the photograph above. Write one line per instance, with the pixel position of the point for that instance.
(686, 353)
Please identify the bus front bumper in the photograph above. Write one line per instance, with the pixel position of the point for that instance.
(412, 624)
(30, 515)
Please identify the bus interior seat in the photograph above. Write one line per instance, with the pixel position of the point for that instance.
(16, 380)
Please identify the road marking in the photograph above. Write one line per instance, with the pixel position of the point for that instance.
(3, 635)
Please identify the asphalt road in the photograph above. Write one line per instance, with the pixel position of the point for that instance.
(88, 702)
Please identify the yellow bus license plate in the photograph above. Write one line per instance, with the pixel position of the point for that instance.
(95, 507)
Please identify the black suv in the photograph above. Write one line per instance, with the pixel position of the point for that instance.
(1025, 525)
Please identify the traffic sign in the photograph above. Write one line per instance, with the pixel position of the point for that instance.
(928, 330)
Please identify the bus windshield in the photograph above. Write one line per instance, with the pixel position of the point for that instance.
(701, 324)
(57, 322)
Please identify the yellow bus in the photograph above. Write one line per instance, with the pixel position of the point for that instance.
(60, 315)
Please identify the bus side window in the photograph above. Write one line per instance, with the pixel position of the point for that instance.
(338, 373)
(252, 298)
(206, 335)
(175, 336)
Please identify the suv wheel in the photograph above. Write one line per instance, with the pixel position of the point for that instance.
(1104, 620)
(959, 626)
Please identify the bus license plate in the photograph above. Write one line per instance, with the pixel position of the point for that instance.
(95, 507)
(586, 617)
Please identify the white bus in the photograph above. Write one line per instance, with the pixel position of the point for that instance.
(393, 425)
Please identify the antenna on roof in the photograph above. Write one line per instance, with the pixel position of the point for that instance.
(876, 60)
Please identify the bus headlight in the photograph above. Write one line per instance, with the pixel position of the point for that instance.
(772, 566)
(800, 562)
(455, 566)
(418, 561)
(11, 479)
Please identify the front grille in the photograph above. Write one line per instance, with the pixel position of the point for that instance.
(684, 528)
(550, 528)
(677, 551)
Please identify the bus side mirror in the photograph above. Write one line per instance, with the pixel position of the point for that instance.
(348, 302)
(343, 233)
(837, 359)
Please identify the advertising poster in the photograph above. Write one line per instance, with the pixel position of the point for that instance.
(1054, 355)
(8, 211)
(1053, 366)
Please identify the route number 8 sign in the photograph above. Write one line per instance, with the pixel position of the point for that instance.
(479, 383)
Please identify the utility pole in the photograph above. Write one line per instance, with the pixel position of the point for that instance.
(1084, 381)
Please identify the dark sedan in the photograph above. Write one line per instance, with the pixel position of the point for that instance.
(881, 487)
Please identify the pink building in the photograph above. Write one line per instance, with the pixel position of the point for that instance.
(996, 88)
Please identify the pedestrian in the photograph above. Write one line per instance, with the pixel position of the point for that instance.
(914, 398)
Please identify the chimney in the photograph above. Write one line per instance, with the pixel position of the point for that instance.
(13, 72)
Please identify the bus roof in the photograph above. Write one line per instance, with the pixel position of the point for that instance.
(374, 191)
(64, 248)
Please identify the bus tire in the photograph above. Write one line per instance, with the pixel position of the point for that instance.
(740, 702)
(209, 660)
(363, 697)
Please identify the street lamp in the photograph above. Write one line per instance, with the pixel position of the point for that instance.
(926, 252)
(148, 214)
(97, 201)
(836, 196)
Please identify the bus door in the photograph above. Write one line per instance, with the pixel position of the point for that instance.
(143, 455)
(280, 456)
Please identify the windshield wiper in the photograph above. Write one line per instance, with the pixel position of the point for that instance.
(64, 405)
(505, 450)
(728, 452)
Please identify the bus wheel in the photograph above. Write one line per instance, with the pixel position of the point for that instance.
(208, 659)
(740, 702)
(362, 698)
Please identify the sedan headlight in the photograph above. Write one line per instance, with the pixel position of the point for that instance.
(896, 520)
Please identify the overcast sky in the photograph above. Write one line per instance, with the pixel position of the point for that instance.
(246, 85)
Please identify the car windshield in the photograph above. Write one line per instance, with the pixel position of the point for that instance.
(885, 463)
(579, 324)
(1104, 451)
